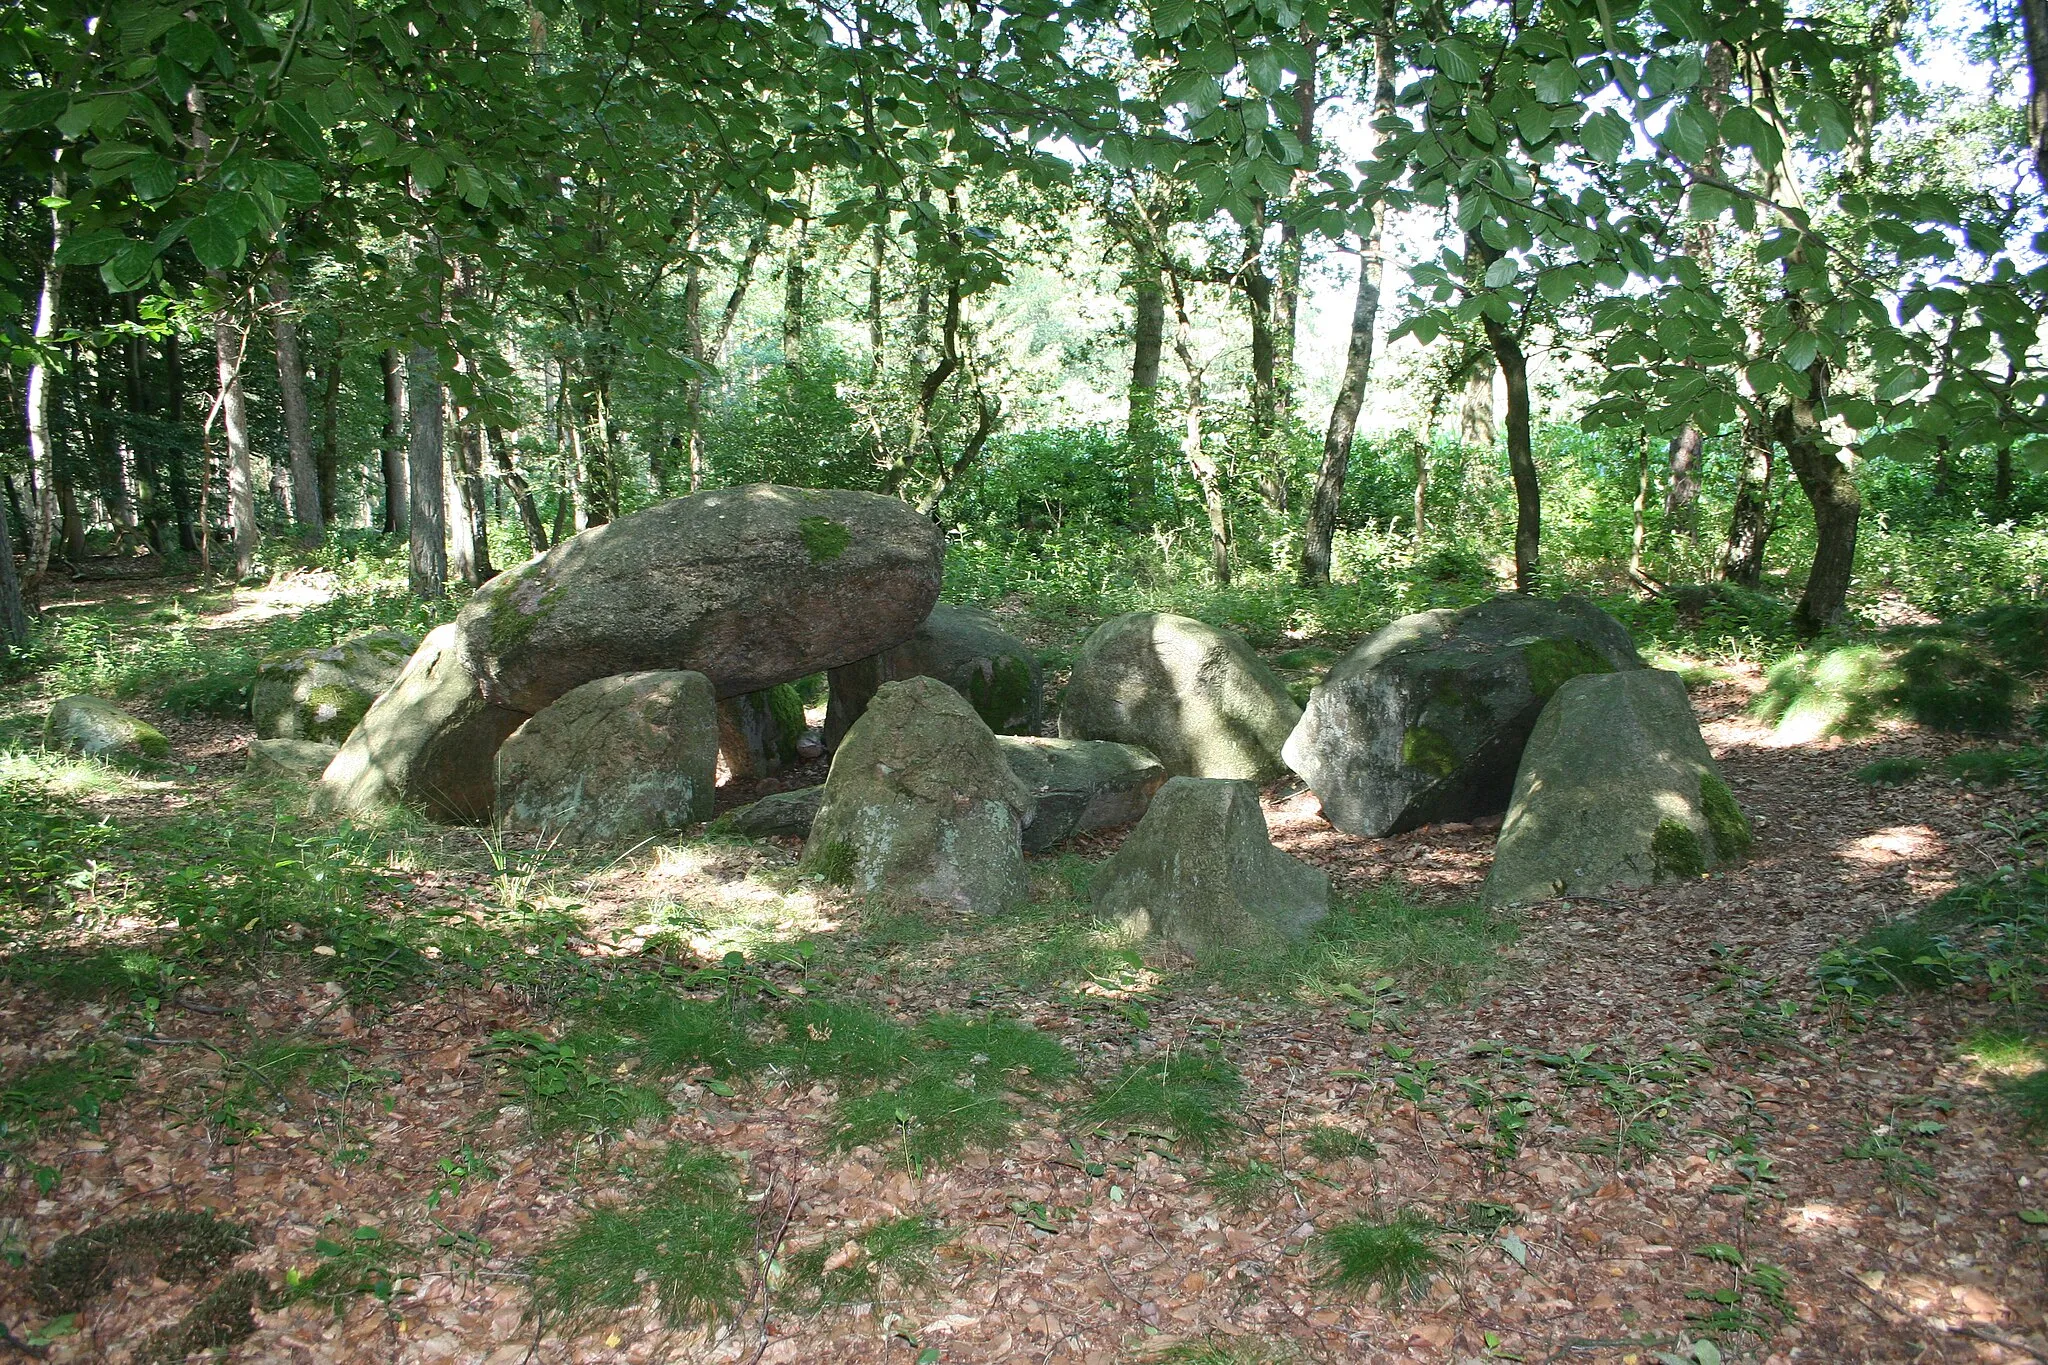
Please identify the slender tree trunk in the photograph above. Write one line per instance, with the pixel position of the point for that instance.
(426, 503)
(1514, 369)
(475, 535)
(327, 458)
(13, 613)
(42, 454)
(1682, 491)
(149, 499)
(2034, 17)
(1420, 516)
(522, 495)
(1837, 506)
(298, 414)
(1749, 527)
(1639, 527)
(794, 273)
(229, 343)
(1209, 474)
(174, 458)
(1265, 397)
(116, 452)
(393, 452)
(694, 434)
(73, 526)
(1148, 344)
(1287, 296)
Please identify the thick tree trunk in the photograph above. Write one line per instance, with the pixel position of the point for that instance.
(1682, 492)
(1830, 487)
(175, 474)
(1475, 413)
(2034, 17)
(393, 454)
(228, 346)
(298, 415)
(427, 567)
(327, 456)
(42, 453)
(73, 525)
(1148, 345)
(1514, 369)
(1749, 522)
(522, 495)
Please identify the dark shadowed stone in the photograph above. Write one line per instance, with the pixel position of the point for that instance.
(1201, 872)
(321, 694)
(428, 743)
(86, 725)
(1080, 785)
(1195, 696)
(749, 586)
(619, 758)
(963, 647)
(1425, 721)
(1616, 788)
(758, 732)
(778, 815)
(920, 804)
(290, 759)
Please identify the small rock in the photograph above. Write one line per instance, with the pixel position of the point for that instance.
(288, 758)
(86, 725)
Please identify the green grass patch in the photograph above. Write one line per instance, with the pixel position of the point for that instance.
(1328, 1142)
(992, 1048)
(1243, 1184)
(1222, 1350)
(1189, 1097)
(923, 1121)
(831, 1040)
(1991, 767)
(571, 1084)
(1442, 952)
(1892, 772)
(899, 1254)
(1943, 677)
(1398, 1257)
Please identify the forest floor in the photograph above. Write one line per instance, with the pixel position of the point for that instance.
(1628, 1125)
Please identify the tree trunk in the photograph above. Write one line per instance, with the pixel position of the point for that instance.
(393, 450)
(1148, 344)
(116, 453)
(474, 536)
(1265, 397)
(327, 459)
(1638, 524)
(149, 503)
(1837, 507)
(1209, 474)
(794, 274)
(2034, 17)
(1682, 493)
(1475, 414)
(13, 614)
(522, 495)
(298, 415)
(73, 525)
(694, 435)
(427, 567)
(42, 454)
(1514, 369)
(1749, 526)
(175, 473)
(228, 346)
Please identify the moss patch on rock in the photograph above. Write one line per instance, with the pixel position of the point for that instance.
(183, 1248)
(834, 863)
(786, 704)
(1424, 748)
(824, 539)
(1676, 851)
(1553, 663)
(1725, 821)
(335, 711)
(1002, 693)
(515, 611)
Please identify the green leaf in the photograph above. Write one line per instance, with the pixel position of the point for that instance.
(428, 169)
(1556, 81)
(129, 268)
(154, 177)
(1457, 61)
(1502, 272)
(190, 44)
(1799, 350)
(90, 248)
(1171, 16)
(1262, 68)
(1604, 135)
(1555, 286)
(1906, 379)
(2034, 1216)
(298, 129)
(216, 244)
(34, 109)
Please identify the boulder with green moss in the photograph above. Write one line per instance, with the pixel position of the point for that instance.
(1616, 789)
(86, 725)
(965, 648)
(1079, 786)
(618, 758)
(428, 743)
(1425, 721)
(750, 586)
(321, 694)
(1201, 872)
(292, 760)
(785, 815)
(1197, 697)
(758, 732)
(921, 804)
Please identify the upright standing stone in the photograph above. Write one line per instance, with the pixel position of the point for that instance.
(1425, 721)
(1616, 788)
(619, 758)
(1201, 872)
(965, 648)
(1197, 697)
(758, 732)
(321, 694)
(920, 803)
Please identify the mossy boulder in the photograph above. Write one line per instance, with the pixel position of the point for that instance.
(619, 758)
(777, 815)
(321, 694)
(428, 743)
(1425, 721)
(86, 725)
(758, 732)
(1200, 871)
(921, 804)
(1195, 696)
(291, 760)
(1616, 789)
(750, 586)
(965, 648)
(1080, 785)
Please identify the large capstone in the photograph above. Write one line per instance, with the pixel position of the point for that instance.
(749, 586)
(920, 804)
(963, 647)
(1080, 785)
(1616, 789)
(428, 743)
(1201, 872)
(1425, 721)
(86, 725)
(619, 758)
(1195, 696)
(321, 694)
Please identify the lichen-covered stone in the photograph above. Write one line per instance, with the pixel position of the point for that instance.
(777, 815)
(86, 725)
(921, 804)
(750, 586)
(1201, 872)
(1080, 785)
(428, 743)
(758, 732)
(1197, 697)
(321, 694)
(1616, 788)
(1425, 721)
(965, 648)
(292, 759)
(618, 758)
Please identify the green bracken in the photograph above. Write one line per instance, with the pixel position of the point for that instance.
(1676, 852)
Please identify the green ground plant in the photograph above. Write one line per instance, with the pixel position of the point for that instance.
(1892, 772)
(1242, 1184)
(1398, 1256)
(1187, 1096)
(570, 1084)
(1441, 952)
(896, 1254)
(925, 1120)
(1328, 1142)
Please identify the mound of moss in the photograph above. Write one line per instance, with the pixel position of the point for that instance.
(183, 1248)
(1963, 677)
